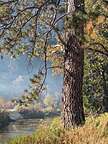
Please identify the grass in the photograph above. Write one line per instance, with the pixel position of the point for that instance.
(95, 131)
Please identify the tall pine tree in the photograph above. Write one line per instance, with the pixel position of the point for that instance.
(73, 113)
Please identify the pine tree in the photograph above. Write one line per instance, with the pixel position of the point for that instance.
(73, 113)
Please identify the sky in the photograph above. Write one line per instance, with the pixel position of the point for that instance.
(15, 75)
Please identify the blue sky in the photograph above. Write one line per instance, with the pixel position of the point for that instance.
(15, 75)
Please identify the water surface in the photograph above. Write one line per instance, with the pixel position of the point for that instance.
(18, 128)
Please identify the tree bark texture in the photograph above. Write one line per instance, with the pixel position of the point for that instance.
(73, 113)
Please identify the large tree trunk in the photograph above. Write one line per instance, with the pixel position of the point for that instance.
(73, 113)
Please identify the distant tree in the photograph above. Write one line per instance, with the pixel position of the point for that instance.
(49, 103)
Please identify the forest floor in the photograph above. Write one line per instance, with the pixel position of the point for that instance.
(95, 131)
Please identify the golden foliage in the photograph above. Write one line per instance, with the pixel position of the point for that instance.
(55, 48)
(89, 27)
(93, 34)
(100, 19)
(40, 2)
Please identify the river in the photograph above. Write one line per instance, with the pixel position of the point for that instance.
(20, 127)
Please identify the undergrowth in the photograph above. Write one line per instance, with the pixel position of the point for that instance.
(95, 131)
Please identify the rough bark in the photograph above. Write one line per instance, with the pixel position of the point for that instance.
(73, 113)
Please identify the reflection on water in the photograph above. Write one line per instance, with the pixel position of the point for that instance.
(21, 127)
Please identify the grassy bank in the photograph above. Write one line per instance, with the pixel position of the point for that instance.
(95, 131)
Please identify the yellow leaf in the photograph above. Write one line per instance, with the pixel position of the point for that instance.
(55, 48)
(93, 35)
(89, 27)
(100, 19)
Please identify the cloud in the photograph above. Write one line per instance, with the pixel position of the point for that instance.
(11, 66)
(18, 80)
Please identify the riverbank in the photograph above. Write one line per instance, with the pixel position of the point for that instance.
(21, 127)
(4, 119)
(39, 115)
(95, 131)
(7, 117)
(24, 125)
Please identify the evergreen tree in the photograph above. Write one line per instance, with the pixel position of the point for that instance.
(73, 67)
